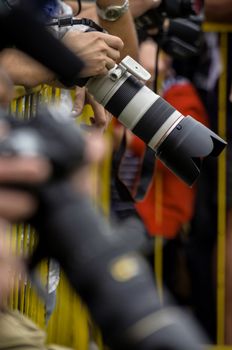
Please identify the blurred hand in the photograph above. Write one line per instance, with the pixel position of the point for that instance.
(101, 117)
(83, 180)
(16, 204)
(99, 51)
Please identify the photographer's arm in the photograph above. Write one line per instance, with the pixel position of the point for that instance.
(219, 11)
(17, 204)
(23, 70)
(123, 28)
(99, 51)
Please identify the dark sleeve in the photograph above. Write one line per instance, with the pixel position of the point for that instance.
(23, 30)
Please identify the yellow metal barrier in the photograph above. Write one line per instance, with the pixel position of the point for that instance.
(70, 324)
(221, 256)
(223, 30)
(158, 248)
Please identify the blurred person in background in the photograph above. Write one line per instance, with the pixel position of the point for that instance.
(221, 11)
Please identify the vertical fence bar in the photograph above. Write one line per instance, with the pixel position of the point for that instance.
(221, 251)
(104, 176)
(158, 256)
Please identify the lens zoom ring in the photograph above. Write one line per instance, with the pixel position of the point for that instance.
(153, 119)
(123, 96)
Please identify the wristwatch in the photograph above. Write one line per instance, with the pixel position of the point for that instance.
(113, 12)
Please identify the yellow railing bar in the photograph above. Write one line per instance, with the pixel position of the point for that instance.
(222, 196)
(158, 255)
(21, 91)
(217, 27)
(104, 182)
(219, 347)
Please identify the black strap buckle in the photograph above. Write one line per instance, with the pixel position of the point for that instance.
(67, 21)
(64, 21)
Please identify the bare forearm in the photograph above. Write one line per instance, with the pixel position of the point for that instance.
(123, 28)
(23, 70)
(88, 10)
(216, 10)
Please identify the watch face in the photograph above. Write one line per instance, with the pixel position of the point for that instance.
(113, 13)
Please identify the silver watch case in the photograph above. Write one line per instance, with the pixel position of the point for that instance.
(114, 12)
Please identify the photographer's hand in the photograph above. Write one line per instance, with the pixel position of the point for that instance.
(17, 171)
(17, 204)
(123, 27)
(99, 51)
(24, 70)
(101, 117)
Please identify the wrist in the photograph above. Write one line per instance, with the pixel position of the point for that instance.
(105, 3)
(111, 12)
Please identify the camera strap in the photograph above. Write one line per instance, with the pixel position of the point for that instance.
(79, 8)
(146, 173)
(69, 21)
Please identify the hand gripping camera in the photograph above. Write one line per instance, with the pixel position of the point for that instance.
(115, 282)
(179, 142)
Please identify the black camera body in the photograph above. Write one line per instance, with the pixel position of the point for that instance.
(177, 8)
(178, 28)
(51, 134)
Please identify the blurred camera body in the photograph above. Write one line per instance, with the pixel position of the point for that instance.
(52, 134)
(178, 27)
(114, 281)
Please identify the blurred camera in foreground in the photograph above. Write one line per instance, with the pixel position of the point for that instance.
(179, 142)
(113, 280)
